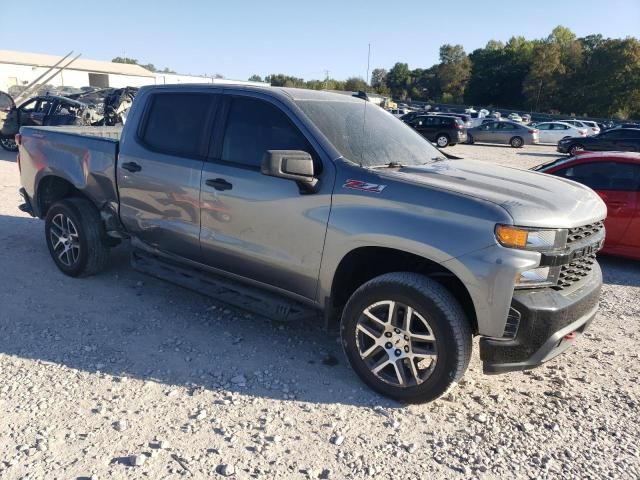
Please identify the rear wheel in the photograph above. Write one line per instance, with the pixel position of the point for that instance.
(575, 148)
(469, 139)
(8, 144)
(442, 140)
(516, 142)
(406, 336)
(75, 237)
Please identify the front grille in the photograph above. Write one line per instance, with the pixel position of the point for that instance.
(580, 233)
(575, 271)
(580, 239)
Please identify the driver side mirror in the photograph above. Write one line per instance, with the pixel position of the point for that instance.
(295, 165)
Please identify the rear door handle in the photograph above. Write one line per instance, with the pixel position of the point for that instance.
(219, 183)
(131, 166)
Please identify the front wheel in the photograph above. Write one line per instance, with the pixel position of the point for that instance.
(8, 144)
(516, 142)
(75, 237)
(406, 336)
(442, 140)
(575, 149)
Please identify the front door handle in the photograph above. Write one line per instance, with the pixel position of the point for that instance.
(219, 183)
(131, 166)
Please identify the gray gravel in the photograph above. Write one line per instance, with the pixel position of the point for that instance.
(124, 376)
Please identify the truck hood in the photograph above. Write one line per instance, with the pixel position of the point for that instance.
(532, 199)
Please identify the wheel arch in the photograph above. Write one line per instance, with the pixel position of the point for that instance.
(53, 188)
(367, 262)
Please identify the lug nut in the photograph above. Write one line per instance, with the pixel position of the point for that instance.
(397, 330)
(388, 334)
(398, 352)
(388, 345)
(406, 337)
(406, 348)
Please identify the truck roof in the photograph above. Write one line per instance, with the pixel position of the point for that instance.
(291, 93)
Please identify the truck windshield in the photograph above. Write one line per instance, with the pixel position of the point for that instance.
(375, 140)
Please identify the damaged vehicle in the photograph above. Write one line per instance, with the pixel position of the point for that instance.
(112, 104)
(41, 111)
(299, 204)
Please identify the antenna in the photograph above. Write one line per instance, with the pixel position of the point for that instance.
(368, 64)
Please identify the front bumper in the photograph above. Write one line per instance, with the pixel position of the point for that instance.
(550, 321)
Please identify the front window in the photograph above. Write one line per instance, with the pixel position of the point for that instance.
(365, 134)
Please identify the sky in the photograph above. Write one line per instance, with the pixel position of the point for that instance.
(305, 39)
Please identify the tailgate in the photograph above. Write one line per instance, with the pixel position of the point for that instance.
(85, 157)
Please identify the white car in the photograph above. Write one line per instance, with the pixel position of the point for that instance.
(592, 127)
(515, 117)
(553, 132)
(584, 124)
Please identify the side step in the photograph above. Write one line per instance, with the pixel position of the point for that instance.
(252, 299)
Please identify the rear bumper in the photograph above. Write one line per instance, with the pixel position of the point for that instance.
(27, 206)
(563, 148)
(549, 323)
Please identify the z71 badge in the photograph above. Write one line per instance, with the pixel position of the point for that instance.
(364, 186)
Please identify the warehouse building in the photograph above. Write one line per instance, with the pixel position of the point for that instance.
(18, 69)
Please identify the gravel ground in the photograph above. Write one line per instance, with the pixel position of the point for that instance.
(125, 376)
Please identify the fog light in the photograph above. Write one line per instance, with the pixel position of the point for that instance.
(536, 277)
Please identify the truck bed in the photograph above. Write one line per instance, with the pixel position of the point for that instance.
(83, 156)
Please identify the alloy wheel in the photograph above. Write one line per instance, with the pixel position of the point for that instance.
(442, 141)
(65, 240)
(396, 343)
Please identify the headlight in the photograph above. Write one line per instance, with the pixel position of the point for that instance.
(530, 238)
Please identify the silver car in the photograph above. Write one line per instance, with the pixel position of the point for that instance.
(506, 132)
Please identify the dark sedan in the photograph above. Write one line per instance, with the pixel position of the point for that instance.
(616, 139)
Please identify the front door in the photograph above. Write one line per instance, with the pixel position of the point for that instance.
(255, 226)
(159, 170)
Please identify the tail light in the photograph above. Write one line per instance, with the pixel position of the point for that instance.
(534, 131)
(594, 129)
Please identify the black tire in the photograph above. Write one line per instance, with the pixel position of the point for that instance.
(469, 139)
(93, 252)
(575, 148)
(447, 323)
(8, 144)
(442, 140)
(516, 142)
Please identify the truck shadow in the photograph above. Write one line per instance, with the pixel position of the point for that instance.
(125, 324)
(7, 156)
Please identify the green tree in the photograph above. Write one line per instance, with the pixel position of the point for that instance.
(399, 80)
(454, 72)
(356, 84)
(379, 80)
(255, 78)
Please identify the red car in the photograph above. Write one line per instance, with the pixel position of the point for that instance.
(615, 176)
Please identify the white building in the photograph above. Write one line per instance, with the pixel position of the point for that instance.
(21, 68)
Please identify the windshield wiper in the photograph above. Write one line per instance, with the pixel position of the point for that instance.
(388, 165)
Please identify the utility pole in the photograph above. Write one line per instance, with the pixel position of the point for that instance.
(326, 79)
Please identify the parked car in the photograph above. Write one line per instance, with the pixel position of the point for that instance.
(506, 132)
(577, 123)
(326, 213)
(615, 176)
(526, 118)
(553, 132)
(593, 127)
(441, 129)
(467, 120)
(411, 115)
(398, 112)
(614, 139)
(514, 117)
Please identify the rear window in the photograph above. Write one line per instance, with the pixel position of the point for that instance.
(179, 123)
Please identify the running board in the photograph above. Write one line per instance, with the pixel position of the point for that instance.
(252, 299)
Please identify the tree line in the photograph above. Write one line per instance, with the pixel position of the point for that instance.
(592, 75)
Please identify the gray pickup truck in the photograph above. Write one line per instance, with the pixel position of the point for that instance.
(296, 203)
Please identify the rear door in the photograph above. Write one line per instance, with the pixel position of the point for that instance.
(160, 168)
(255, 226)
(616, 185)
(505, 132)
(546, 135)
